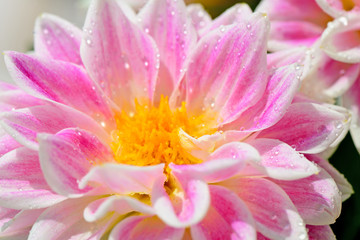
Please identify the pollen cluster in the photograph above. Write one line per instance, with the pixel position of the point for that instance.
(150, 135)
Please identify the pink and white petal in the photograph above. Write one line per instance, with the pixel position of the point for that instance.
(11, 98)
(7, 143)
(175, 35)
(59, 81)
(328, 78)
(186, 205)
(228, 218)
(287, 57)
(4, 86)
(212, 171)
(293, 10)
(316, 198)
(24, 124)
(259, 236)
(289, 34)
(236, 150)
(281, 88)
(21, 223)
(341, 39)
(200, 18)
(338, 8)
(120, 204)
(6, 214)
(320, 232)
(275, 215)
(22, 182)
(310, 128)
(343, 185)
(238, 13)
(222, 65)
(144, 227)
(57, 39)
(15, 99)
(225, 162)
(351, 100)
(65, 221)
(67, 157)
(280, 161)
(124, 179)
(118, 55)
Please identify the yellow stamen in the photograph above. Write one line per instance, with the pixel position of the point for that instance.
(348, 4)
(150, 135)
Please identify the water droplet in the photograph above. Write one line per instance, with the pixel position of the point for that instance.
(248, 26)
(146, 63)
(302, 236)
(147, 30)
(48, 42)
(131, 114)
(88, 42)
(45, 31)
(172, 13)
(222, 28)
(338, 125)
(126, 65)
(343, 20)
(103, 124)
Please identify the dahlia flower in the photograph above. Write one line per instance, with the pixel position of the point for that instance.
(163, 125)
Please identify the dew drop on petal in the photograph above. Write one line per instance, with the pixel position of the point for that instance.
(344, 21)
(338, 125)
(302, 236)
(222, 28)
(88, 42)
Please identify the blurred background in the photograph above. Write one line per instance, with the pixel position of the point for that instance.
(16, 28)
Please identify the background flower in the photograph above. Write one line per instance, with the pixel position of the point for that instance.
(17, 21)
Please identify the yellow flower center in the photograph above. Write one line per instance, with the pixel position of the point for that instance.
(150, 135)
(348, 4)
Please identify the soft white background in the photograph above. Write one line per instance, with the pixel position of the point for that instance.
(17, 20)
